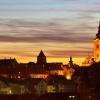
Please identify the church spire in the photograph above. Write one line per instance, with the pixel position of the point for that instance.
(71, 62)
(41, 58)
(41, 54)
(98, 34)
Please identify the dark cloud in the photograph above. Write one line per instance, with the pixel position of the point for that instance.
(45, 38)
(35, 32)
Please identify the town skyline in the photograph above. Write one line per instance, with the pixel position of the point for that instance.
(50, 49)
(61, 28)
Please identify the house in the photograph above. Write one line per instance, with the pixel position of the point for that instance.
(59, 84)
(37, 86)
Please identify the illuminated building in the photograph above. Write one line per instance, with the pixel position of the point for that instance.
(96, 51)
(97, 46)
(55, 68)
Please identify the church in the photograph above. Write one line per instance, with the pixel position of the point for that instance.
(97, 45)
(96, 51)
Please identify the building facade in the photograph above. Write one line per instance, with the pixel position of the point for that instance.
(97, 46)
(96, 51)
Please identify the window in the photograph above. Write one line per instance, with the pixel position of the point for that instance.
(97, 46)
(97, 55)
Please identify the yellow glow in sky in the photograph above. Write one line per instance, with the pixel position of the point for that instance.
(54, 60)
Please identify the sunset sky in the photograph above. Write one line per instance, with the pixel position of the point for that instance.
(61, 28)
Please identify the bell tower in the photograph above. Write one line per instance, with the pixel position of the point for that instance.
(41, 58)
(97, 45)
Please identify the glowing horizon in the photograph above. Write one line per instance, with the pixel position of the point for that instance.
(63, 60)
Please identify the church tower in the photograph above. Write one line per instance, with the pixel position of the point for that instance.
(97, 45)
(41, 58)
(70, 62)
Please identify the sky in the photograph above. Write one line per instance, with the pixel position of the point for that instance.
(61, 28)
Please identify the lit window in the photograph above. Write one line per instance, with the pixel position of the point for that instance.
(72, 96)
(19, 72)
(19, 77)
(10, 92)
(68, 77)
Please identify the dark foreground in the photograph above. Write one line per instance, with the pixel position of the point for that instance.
(57, 96)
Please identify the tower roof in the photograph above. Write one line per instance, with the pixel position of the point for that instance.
(41, 54)
(98, 34)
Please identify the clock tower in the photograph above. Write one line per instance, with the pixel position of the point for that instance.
(97, 45)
